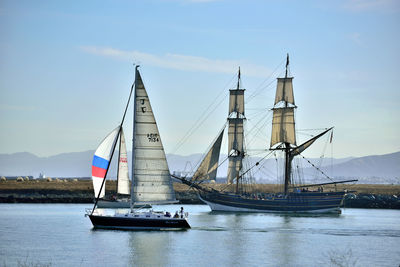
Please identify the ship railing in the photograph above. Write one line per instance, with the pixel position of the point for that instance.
(88, 211)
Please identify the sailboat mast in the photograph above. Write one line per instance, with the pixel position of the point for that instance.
(235, 132)
(287, 145)
(283, 123)
(112, 151)
(288, 167)
(133, 135)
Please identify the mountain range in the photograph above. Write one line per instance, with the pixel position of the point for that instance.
(383, 169)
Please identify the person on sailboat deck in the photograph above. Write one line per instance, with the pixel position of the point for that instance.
(176, 214)
(181, 212)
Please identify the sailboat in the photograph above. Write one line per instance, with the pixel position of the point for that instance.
(151, 179)
(295, 197)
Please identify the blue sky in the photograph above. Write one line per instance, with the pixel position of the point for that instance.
(66, 68)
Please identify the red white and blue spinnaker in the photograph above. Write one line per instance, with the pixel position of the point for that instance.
(101, 160)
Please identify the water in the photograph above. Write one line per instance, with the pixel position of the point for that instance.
(60, 235)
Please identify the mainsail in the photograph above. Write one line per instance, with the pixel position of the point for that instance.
(207, 169)
(151, 179)
(283, 130)
(101, 161)
(123, 171)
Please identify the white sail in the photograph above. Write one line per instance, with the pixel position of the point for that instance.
(123, 170)
(235, 136)
(235, 148)
(152, 182)
(236, 101)
(284, 90)
(101, 161)
(234, 167)
(283, 130)
(207, 169)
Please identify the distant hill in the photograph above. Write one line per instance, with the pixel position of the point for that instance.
(369, 169)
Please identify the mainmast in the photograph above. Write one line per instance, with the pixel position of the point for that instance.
(137, 75)
(235, 132)
(283, 124)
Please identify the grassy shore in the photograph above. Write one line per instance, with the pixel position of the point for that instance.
(81, 191)
(86, 185)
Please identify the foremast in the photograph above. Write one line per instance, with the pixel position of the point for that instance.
(236, 116)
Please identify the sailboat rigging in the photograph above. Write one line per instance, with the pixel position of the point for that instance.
(151, 179)
(283, 138)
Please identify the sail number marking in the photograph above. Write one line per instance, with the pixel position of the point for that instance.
(153, 137)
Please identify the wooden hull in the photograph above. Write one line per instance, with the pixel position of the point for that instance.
(322, 202)
(141, 223)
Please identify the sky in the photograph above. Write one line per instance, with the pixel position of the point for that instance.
(66, 68)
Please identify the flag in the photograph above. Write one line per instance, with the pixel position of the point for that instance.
(287, 60)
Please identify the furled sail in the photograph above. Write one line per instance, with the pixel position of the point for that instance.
(207, 169)
(284, 90)
(123, 170)
(297, 150)
(101, 160)
(152, 183)
(283, 130)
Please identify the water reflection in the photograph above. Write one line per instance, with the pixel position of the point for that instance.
(285, 242)
(149, 248)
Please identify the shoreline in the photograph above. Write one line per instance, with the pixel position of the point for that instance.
(75, 191)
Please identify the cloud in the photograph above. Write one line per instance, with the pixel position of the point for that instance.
(180, 62)
(356, 38)
(372, 5)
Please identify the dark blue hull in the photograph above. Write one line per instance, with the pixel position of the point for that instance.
(294, 202)
(131, 223)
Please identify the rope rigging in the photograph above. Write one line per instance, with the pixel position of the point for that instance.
(316, 167)
(204, 116)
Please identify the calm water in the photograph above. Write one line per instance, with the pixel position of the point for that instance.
(60, 235)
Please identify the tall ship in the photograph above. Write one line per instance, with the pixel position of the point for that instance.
(151, 179)
(294, 197)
